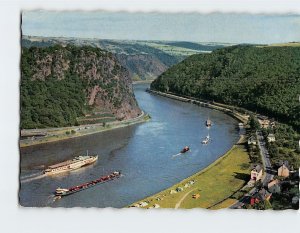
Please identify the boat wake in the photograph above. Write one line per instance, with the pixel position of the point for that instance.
(53, 198)
(35, 176)
(173, 156)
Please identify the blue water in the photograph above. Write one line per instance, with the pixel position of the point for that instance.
(143, 152)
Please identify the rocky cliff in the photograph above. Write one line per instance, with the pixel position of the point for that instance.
(143, 59)
(143, 66)
(60, 84)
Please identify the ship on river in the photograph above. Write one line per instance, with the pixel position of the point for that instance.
(60, 192)
(208, 123)
(206, 140)
(70, 165)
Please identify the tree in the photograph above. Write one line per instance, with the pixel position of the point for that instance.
(263, 79)
(253, 122)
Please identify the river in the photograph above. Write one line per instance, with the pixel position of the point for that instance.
(143, 152)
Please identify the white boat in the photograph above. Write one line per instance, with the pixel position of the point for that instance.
(208, 123)
(70, 165)
(206, 140)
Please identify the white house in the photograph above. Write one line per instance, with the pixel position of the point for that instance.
(271, 138)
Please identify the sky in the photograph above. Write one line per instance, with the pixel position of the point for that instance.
(213, 27)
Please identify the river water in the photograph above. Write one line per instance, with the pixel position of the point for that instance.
(143, 152)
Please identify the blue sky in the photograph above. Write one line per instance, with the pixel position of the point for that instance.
(214, 27)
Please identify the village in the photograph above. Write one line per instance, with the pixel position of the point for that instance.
(272, 183)
(275, 182)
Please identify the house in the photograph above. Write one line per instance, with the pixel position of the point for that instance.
(264, 123)
(274, 186)
(252, 140)
(256, 173)
(271, 138)
(272, 123)
(260, 196)
(263, 195)
(284, 170)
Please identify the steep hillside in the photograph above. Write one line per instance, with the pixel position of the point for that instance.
(143, 59)
(262, 79)
(60, 84)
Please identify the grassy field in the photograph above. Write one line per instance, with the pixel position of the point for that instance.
(290, 44)
(216, 184)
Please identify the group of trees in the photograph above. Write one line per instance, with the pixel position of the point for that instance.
(261, 79)
(51, 102)
(286, 146)
(59, 98)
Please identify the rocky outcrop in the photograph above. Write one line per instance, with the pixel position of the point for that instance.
(145, 66)
(105, 83)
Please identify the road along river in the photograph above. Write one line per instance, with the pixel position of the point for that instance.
(143, 152)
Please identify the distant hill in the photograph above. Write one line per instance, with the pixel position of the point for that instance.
(143, 59)
(64, 86)
(195, 46)
(265, 79)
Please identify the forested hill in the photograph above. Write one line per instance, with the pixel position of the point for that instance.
(60, 84)
(143, 59)
(262, 79)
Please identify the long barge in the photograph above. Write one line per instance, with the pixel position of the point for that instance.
(68, 191)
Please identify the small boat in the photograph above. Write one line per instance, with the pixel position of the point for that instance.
(185, 149)
(208, 123)
(206, 140)
(59, 192)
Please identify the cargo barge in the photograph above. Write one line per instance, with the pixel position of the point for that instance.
(60, 192)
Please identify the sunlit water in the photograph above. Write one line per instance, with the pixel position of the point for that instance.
(144, 153)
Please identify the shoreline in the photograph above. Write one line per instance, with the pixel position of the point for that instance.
(142, 82)
(234, 114)
(59, 134)
(163, 194)
(217, 106)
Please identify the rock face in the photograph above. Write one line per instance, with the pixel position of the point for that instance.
(105, 83)
(143, 65)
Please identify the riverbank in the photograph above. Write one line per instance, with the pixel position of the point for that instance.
(213, 105)
(218, 185)
(65, 133)
(143, 81)
(212, 188)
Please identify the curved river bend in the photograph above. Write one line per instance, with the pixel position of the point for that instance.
(143, 152)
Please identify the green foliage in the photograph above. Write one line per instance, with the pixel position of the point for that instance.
(281, 201)
(286, 147)
(52, 102)
(266, 80)
(59, 98)
(253, 122)
(195, 46)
